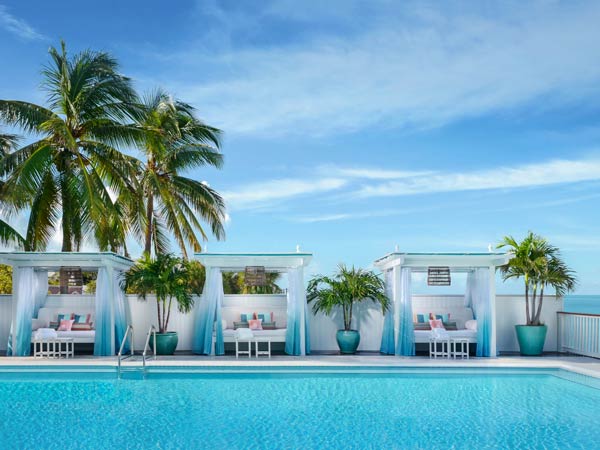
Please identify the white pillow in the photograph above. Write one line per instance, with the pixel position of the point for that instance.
(36, 324)
(471, 325)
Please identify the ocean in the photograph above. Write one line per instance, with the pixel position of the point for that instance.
(582, 304)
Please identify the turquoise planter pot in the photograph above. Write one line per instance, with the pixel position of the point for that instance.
(166, 343)
(531, 339)
(348, 341)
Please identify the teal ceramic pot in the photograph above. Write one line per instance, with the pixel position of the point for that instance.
(531, 339)
(166, 343)
(348, 341)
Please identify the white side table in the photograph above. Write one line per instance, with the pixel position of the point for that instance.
(439, 346)
(266, 352)
(54, 348)
(462, 351)
(243, 352)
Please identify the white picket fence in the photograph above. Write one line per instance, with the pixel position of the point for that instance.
(579, 333)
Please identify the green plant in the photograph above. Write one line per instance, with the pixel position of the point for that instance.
(63, 177)
(174, 142)
(346, 288)
(540, 265)
(168, 278)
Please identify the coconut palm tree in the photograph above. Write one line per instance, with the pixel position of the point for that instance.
(8, 235)
(176, 141)
(540, 265)
(65, 177)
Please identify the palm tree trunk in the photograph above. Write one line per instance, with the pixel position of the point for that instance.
(527, 313)
(158, 313)
(536, 319)
(533, 304)
(168, 314)
(149, 224)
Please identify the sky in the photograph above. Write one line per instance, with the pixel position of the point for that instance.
(351, 128)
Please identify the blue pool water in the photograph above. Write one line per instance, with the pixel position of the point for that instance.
(409, 409)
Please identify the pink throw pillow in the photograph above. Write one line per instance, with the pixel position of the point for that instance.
(65, 325)
(255, 324)
(436, 323)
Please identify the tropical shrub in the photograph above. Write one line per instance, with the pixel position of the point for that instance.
(540, 265)
(343, 290)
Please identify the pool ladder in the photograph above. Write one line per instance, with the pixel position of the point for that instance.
(121, 357)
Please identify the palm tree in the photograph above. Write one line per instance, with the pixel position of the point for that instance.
(176, 141)
(8, 235)
(65, 176)
(540, 265)
(346, 288)
(165, 276)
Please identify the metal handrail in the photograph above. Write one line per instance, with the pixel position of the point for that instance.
(151, 331)
(120, 357)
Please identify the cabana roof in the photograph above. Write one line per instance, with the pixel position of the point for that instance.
(235, 261)
(420, 261)
(55, 260)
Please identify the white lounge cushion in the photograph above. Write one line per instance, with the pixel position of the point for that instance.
(36, 324)
(244, 334)
(471, 325)
(45, 333)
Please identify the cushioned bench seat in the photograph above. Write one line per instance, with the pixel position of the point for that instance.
(423, 336)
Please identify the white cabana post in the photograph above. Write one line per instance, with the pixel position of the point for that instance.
(208, 309)
(480, 295)
(30, 290)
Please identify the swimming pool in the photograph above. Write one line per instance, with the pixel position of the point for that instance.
(308, 408)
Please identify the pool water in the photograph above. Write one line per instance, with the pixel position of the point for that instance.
(399, 409)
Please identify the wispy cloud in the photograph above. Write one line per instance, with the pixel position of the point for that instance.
(414, 67)
(18, 26)
(357, 183)
(259, 194)
(530, 175)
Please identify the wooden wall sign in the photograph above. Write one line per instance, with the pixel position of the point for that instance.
(438, 276)
(255, 276)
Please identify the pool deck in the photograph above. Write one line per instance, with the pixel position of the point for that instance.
(577, 364)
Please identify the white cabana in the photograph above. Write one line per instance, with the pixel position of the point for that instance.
(208, 311)
(30, 290)
(398, 331)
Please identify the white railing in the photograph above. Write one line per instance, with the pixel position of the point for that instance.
(579, 333)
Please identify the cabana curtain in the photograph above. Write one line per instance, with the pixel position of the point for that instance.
(297, 312)
(406, 335)
(41, 290)
(387, 338)
(208, 315)
(479, 287)
(122, 313)
(103, 338)
(19, 340)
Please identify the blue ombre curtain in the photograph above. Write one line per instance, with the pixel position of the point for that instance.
(41, 290)
(480, 293)
(122, 313)
(406, 334)
(24, 294)
(388, 345)
(469, 289)
(103, 342)
(208, 315)
(297, 309)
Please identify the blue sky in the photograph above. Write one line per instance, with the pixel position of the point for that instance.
(352, 127)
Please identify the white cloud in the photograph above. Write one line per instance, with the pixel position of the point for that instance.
(264, 193)
(18, 26)
(419, 67)
(372, 173)
(530, 175)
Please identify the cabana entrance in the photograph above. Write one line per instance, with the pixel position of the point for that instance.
(214, 325)
(399, 335)
(108, 315)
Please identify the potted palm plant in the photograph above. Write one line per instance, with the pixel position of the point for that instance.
(167, 277)
(342, 291)
(540, 265)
